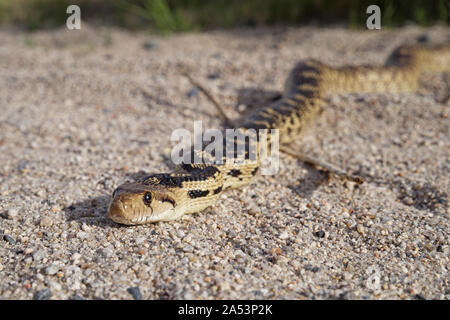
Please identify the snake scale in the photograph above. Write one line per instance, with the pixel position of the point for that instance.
(194, 187)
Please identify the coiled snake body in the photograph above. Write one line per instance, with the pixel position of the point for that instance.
(193, 187)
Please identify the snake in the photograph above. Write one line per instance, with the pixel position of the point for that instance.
(193, 187)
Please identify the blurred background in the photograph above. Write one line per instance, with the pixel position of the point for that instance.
(168, 16)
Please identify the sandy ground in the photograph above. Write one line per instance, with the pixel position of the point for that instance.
(83, 111)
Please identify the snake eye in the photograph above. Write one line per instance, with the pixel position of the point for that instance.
(147, 198)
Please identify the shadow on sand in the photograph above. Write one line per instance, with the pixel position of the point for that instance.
(94, 210)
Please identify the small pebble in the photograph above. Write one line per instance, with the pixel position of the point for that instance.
(213, 76)
(135, 292)
(55, 286)
(76, 257)
(46, 222)
(192, 93)
(275, 250)
(408, 201)
(350, 185)
(11, 213)
(224, 286)
(423, 38)
(43, 294)
(140, 240)
(360, 229)
(310, 267)
(284, 235)
(22, 165)
(106, 252)
(82, 235)
(320, 234)
(241, 108)
(9, 239)
(149, 44)
(52, 269)
(38, 255)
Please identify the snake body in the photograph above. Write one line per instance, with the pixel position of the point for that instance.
(194, 187)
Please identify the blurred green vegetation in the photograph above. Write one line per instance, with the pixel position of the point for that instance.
(168, 16)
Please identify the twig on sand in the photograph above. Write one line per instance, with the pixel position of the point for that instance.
(208, 95)
(325, 166)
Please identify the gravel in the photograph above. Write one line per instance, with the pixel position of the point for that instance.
(80, 115)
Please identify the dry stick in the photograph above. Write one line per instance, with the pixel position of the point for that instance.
(305, 159)
(209, 96)
(327, 167)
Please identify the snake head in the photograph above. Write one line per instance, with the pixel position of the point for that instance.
(138, 203)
